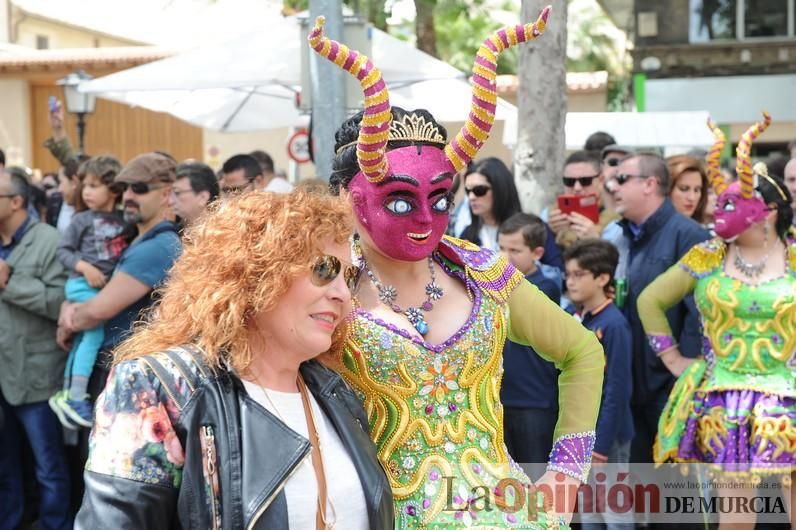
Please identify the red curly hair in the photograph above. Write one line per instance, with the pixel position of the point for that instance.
(237, 261)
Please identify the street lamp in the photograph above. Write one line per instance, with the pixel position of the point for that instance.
(79, 103)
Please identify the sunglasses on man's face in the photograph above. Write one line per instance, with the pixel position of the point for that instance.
(327, 268)
(621, 178)
(478, 191)
(228, 190)
(139, 188)
(612, 162)
(585, 182)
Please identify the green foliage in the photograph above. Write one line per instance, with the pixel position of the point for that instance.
(593, 44)
(295, 5)
(460, 26)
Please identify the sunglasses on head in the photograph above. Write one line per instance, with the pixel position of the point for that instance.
(139, 188)
(621, 178)
(569, 182)
(327, 268)
(478, 191)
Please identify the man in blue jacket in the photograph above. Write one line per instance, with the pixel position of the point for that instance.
(654, 238)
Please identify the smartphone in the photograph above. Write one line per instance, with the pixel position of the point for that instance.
(53, 104)
(586, 205)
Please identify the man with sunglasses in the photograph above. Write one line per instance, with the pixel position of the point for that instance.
(146, 182)
(241, 173)
(654, 237)
(611, 156)
(582, 176)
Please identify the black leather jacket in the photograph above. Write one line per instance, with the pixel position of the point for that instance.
(253, 452)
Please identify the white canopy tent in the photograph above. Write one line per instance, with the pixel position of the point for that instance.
(670, 130)
(250, 82)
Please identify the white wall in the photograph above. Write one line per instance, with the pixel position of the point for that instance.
(273, 142)
(15, 124)
(732, 99)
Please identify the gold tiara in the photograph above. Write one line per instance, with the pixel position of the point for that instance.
(411, 128)
(761, 170)
(414, 128)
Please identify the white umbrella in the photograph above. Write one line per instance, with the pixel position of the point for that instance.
(250, 82)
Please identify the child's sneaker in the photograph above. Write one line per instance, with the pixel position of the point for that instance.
(55, 404)
(78, 411)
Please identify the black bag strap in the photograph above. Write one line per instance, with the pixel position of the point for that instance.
(191, 378)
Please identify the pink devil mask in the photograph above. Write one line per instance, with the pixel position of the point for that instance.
(406, 214)
(734, 214)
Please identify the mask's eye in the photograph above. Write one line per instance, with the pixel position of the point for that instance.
(729, 206)
(399, 206)
(443, 204)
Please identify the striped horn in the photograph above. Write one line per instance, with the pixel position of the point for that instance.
(463, 148)
(375, 126)
(743, 152)
(714, 156)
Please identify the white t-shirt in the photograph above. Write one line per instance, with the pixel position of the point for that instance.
(489, 237)
(279, 185)
(343, 487)
(64, 218)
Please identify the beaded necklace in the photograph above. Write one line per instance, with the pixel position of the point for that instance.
(388, 295)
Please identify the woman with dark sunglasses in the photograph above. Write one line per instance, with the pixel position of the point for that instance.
(490, 190)
(218, 412)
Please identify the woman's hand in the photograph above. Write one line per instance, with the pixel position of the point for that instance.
(675, 362)
(552, 481)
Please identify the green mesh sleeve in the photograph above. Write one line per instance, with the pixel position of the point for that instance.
(666, 291)
(556, 336)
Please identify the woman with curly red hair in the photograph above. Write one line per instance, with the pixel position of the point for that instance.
(217, 412)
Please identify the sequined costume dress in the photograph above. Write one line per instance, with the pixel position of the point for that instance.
(736, 408)
(434, 410)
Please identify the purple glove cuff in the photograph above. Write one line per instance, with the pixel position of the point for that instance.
(571, 455)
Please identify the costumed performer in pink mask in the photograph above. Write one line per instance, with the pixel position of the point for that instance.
(735, 408)
(426, 338)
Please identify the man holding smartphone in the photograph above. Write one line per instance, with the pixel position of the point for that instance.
(583, 182)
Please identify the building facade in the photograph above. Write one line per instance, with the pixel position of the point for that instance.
(733, 58)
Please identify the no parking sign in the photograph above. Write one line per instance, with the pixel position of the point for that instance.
(298, 146)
